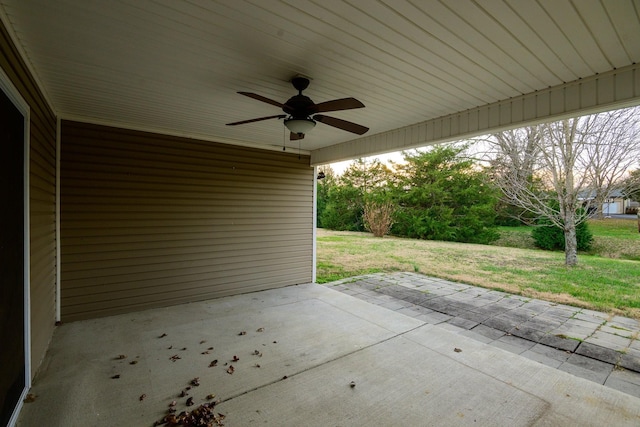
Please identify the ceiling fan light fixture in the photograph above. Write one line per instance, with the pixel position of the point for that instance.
(299, 126)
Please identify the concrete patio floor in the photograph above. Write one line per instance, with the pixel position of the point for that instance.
(597, 346)
(303, 355)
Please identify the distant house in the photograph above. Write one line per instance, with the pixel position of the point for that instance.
(615, 204)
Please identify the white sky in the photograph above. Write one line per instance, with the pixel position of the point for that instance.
(396, 157)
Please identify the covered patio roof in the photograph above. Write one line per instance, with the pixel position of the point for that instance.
(426, 71)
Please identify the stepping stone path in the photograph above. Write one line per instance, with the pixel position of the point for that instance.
(597, 346)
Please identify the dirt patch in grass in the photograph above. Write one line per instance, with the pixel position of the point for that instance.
(560, 298)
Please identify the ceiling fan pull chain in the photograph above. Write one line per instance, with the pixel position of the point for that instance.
(284, 138)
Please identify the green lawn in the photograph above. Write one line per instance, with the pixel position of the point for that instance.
(606, 279)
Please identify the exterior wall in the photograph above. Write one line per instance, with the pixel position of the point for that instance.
(149, 220)
(42, 194)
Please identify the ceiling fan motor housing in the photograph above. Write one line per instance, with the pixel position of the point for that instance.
(299, 107)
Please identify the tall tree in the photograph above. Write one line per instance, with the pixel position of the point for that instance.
(443, 196)
(571, 158)
(514, 156)
(347, 194)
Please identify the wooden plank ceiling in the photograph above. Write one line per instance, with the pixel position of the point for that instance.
(175, 66)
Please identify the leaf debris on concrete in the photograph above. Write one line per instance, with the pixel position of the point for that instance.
(202, 416)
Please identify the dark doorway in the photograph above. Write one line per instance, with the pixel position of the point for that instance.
(12, 286)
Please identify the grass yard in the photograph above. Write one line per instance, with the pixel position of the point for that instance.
(607, 281)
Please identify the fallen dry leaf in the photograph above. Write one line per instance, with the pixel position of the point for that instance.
(457, 350)
(162, 336)
(195, 381)
(183, 393)
(175, 357)
(257, 365)
(121, 356)
(205, 352)
(189, 401)
(203, 341)
(133, 362)
(142, 397)
(173, 403)
(115, 377)
(213, 363)
(260, 330)
(202, 416)
(235, 358)
(230, 369)
(257, 353)
(210, 348)
(211, 396)
(243, 333)
(30, 398)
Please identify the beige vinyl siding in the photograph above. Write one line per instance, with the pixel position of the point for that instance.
(42, 194)
(150, 220)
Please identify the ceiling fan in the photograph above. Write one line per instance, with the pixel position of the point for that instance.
(302, 113)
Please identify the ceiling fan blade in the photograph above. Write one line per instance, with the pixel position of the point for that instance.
(262, 98)
(295, 136)
(338, 104)
(341, 124)
(259, 119)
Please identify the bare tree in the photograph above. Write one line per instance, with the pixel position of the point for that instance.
(612, 148)
(568, 157)
(631, 185)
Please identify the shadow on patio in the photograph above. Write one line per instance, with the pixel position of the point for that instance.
(302, 355)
